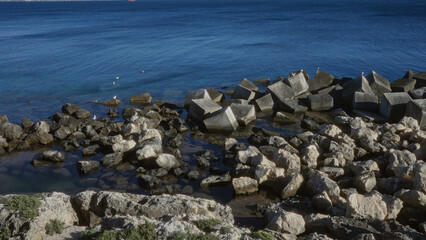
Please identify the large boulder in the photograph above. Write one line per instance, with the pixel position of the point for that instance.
(10, 131)
(199, 108)
(372, 206)
(288, 186)
(287, 222)
(321, 102)
(167, 161)
(265, 103)
(70, 108)
(221, 121)
(244, 113)
(393, 105)
(293, 106)
(378, 84)
(281, 92)
(244, 185)
(298, 83)
(359, 84)
(403, 85)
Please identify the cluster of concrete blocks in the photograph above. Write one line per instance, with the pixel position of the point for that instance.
(371, 96)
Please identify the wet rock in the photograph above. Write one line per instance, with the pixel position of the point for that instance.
(149, 181)
(241, 92)
(264, 81)
(62, 133)
(10, 131)
(265, 103)
(90, 150)
(320, 102)
(167, 161)
(89, 131)
(123, 145)
(243, 113)
(285, 118)
(244, 185)
(26, 123)
(393, 105)
(87, 166)
(70, 108)
(199, 108)
(112, 159)
(365, 101)
(215, 180)
(81, 114)
(287, 222)
(378, 84)
(141, 99)
(52, 156)
(193, 175)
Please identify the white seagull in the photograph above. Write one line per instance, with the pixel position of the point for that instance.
(115, 97)
(94, 117)
(116, 78)
(143, 71)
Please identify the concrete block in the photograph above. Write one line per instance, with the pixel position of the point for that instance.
(375, 117)
(241, 92)
(298, 83)
(293, 106)
(285, 118)
(249, 85)
(365, 101)
(244, 113)
(281, 92)
(320, 102)
(417, 110)
(221, 121)
(228, 102)
(393, 105)
(201, 107)
(359, 84)
(215, 95)
(265, 103)
(403, 85)
(421, 79)
(378, 84)
(196, 94)
(321, 80)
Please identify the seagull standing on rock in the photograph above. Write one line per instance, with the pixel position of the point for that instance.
(115, 97)
(94, 117)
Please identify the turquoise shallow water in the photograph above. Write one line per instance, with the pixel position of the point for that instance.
(54, 52)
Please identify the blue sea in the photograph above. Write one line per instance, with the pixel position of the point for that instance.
(57, 52)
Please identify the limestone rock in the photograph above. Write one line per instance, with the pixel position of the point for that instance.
(87, 166)
(289, 161)
(365, 182)
(52, 156)
(112, 159)
(289, 185)
(10, 131)
(289, 222)
(244, 185)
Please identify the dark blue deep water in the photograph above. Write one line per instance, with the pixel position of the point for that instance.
(56, 52)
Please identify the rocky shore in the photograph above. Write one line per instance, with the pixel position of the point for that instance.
(357, 170)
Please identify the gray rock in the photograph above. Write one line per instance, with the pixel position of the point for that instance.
(288, 186)
(365, 182)
(412, 198)
(87, 166)
(148, 151)
(333, 172)
(321, 80)
(417, 110)
(149, 181)
(399, 160)
(420, 177)
(89, 131)
(199, 108)
(265, 103)
(241, 92)
(167, 161)
(267, 175)
(62, 133)
(52, 156)
(112, 159)
(365, 101)
(215, 180)
(393, 184)
(320, 102)
(378, 84)
(322, 201)
(243, 113)
(123, 146)
(393, 105)
(370, 206)
(310, 155)
(298, 83)
(228, 102)
(81, 114)
(221, 121)
(90, 150)
(141, 99)
(10, 131)
(244, 185)
(285, 118)
(319, 182)
(70, 108)
(289, 161)
(26, 123)
(193, 175)
(287, 222)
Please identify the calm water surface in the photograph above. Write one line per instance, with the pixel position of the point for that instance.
(57, 52)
